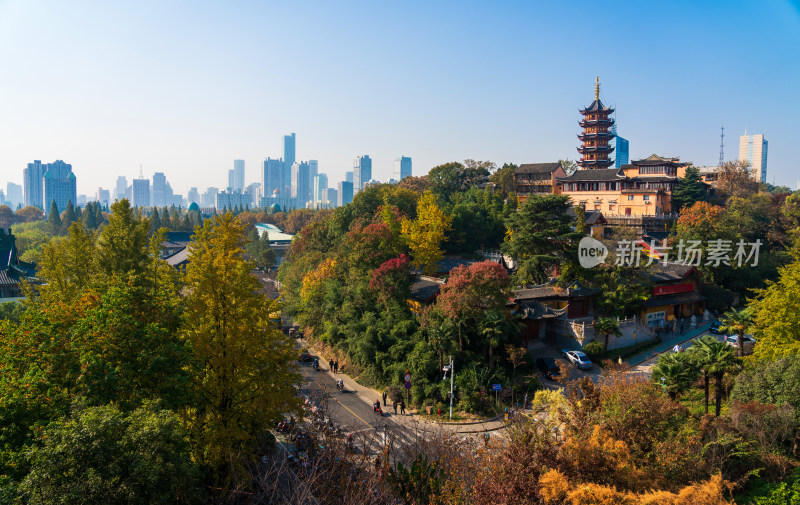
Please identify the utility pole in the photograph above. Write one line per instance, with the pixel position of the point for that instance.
(722, 145)
(449, 368)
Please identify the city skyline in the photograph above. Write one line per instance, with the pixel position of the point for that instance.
(105, 114)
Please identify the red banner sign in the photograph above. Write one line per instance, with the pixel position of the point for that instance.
(673, 289)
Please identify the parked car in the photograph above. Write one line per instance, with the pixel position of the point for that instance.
(577, 358)
(304, 356)
(548, 367)
(749, 342)
(715, 326)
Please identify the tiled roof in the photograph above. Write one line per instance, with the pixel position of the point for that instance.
(179, 258)
(597, 106)
(592, 175)
(655, 159)
(533, 310)
(537, 168)
(670, 272)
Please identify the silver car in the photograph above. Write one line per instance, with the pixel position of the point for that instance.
(578, 358)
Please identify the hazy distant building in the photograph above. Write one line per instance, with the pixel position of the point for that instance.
(158, 197)
(59, 185)
(402, 168)
(209, 198)
(103, 196)
(362, 172)
(753, 149)
(272, 176)
(301, 190)
(140, 194)
(32, 179)
(348, 176)
(231, 199)
(320, 184)
(14, 195)
(231, 179)
(253, 193)
(238, 175)
(329, 197)
(193, 196)
(121, 189)
(288, 160)
(344, 193)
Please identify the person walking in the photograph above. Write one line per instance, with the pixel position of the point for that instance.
(402, 407)
(330, 365)
(336, 366)
(384, 398)
(394, 404)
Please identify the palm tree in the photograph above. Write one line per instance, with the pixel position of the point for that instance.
(492, 329)
(675, 372)
(738, 322)
(606, 326)
(715, 359)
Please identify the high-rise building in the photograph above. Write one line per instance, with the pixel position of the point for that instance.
(102, 196)
(753, 149)
(313, 171)
(329, 197)
(32, 179)
(59, 185)
(348, 176)
(231, 199)
(362, 172)
(209, 198)
(14, 196)
(238, 175)
(344, 193)
(193, 196)
(272, 177)
(141, 193)
(158, 197)
(320, 184)
(253, 193)
(301, 190)
(402, 168)
(231, 179)
(596, 137)
(289, 143)
(622, 149)
(121, 188)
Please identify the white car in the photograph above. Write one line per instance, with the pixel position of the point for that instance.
(578, 358)
(749, 342)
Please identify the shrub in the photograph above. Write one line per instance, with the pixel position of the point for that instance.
(594, 349)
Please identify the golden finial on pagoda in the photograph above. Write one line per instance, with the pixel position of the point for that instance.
(597, 88)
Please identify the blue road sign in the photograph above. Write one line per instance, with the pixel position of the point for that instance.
(408, 385)
(497, 387)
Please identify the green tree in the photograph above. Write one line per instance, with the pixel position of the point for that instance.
(675, 372)
(102, 455)
(122, 247)
(715, 359)
(67, 265)
(155, 221)
(606, 326)
(53, 219)
(69, 217)
(259, 250)
(541, 237)
(689, 190)
(503, 178)
(770, 382)
(245, 376)
(738, 322)
(776, 316)
(87, 218)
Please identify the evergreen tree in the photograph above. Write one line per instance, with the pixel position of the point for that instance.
(87, 218)
(689, 190)
(98, 215)
(165, 220)
(187, 223)
(155, 221)
(53, 219)
(69, 218)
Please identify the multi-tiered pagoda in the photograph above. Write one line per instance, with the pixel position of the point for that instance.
(596, 136)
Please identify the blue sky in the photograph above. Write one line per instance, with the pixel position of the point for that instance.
(186, 87)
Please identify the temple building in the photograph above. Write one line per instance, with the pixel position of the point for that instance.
(537, 179)
(596, 137)
(642, 188)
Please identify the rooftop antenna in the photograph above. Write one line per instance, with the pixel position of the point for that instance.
(141, 175)
(722, 145)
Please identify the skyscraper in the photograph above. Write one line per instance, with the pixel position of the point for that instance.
(231, 179)
(288, 160)
(141, 193)
(121, 189)
(313, 171)
(320, 184)
(622, 150)
(272, 177)
(402, 168)
(362, 172)
(238, 175)
(753, 149)
(193, 196)
(59, 185)
(344, 193)
(103, 196)
(32, 178)
(348, 176)
(158, 197)
(14, 196)
(329, 197)
(301, 191)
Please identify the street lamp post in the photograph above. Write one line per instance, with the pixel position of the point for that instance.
(449, 368)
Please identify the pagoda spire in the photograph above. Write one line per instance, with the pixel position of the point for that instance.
(597, 88)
